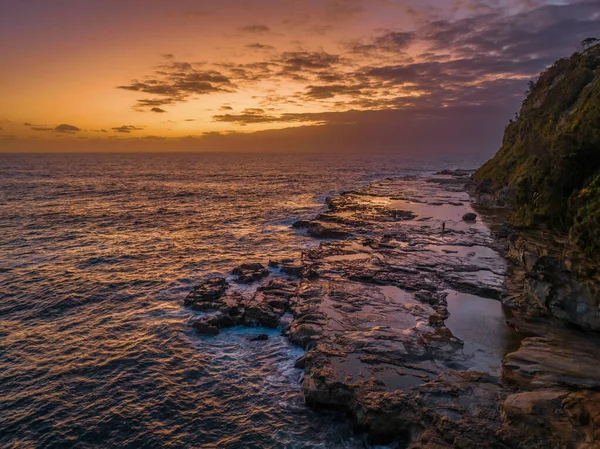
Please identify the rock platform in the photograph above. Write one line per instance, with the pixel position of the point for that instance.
(371, 306)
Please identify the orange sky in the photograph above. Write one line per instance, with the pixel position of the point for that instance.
(170, 74)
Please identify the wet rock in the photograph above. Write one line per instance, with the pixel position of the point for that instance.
(261, 337)
(261, 315)
(250, 272)
(232, 305)
(326, 231)
(205, 326)
(207, 293)
(305, 335)
(431, 298)
(211, 324)
(302, 224)
(469, 217)
(268, 305)
(294, 268)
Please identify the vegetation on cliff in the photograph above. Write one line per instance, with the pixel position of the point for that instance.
(548, 168)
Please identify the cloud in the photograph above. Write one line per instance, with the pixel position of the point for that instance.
(387, 42)
(303, 60)
(256, 29)
(340, 10)
(126, 129)
(257, 115)
(154, 102)
(258, 46)
(394, 40)
(478, 59)
(157, 110)
(64, 128)
(177, 81)
(330, 91)
(545, 32)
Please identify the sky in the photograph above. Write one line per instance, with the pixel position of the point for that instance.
(408, 76)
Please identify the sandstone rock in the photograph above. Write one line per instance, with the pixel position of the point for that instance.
(568, 360)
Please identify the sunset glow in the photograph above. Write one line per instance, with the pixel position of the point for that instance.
(189, 74)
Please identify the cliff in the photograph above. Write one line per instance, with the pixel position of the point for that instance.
(548, 168)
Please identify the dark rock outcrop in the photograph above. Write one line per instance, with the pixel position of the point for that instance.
(250, 272)
(265, 308)
(206, 294)
(324, 230)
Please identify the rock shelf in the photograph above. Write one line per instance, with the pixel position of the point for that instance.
(370, 305)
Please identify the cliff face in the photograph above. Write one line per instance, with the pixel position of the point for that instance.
(548, 168)
(547, 172)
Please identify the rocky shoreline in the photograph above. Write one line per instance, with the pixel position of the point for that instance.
(372, 305)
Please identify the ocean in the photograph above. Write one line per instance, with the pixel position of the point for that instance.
(98, 251)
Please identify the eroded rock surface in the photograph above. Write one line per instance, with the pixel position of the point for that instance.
(371, 306)
(551, 279)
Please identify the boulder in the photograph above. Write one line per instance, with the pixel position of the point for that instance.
(469, 217)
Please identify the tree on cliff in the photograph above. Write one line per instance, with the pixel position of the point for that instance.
(589, 42)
